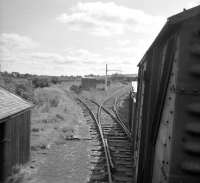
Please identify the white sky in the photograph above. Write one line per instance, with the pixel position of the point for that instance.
(77, 37)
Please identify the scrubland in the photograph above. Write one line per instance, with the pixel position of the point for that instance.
(56, 119)
(99, 94)
(55, 114)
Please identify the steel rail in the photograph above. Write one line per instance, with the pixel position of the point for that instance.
(125, 129)
(105, 143)
(109, 161)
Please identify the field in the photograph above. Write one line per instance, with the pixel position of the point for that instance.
(99, 95)
(58, 128)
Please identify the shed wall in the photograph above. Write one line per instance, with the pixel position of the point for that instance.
(15, 142)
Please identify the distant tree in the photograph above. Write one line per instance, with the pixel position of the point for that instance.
(15, 74)
(75, 88)
(40, 82)
(27, 75)
(55, 80)
(5, 73)
(24, 91)
(78, 77)
(20, 89)
(7, 78)
(2, 83)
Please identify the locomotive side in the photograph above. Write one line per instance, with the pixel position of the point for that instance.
(167, 112)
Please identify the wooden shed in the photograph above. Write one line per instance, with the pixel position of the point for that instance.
(15, 119)
(88, 83)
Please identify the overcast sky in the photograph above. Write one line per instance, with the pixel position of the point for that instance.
(77, 37)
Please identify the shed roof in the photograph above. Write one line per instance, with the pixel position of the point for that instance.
(11, 104)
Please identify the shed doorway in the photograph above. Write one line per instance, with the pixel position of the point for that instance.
(2, 136)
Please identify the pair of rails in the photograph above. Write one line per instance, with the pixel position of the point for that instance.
(98, 121)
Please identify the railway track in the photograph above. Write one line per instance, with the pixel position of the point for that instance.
(116, 110)
(113, 147)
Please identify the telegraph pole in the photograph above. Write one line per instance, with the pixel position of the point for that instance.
(106, 78)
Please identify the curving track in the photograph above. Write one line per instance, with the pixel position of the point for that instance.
(117, 100)
(115, 163)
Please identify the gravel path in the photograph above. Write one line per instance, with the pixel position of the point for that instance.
(67, 161)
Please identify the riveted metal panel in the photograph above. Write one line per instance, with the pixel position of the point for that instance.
(138, 117)
(159, 63)
(162, 162)
(185, 155)
(173, 148)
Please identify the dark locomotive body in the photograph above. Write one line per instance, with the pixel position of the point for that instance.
(167, 113)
